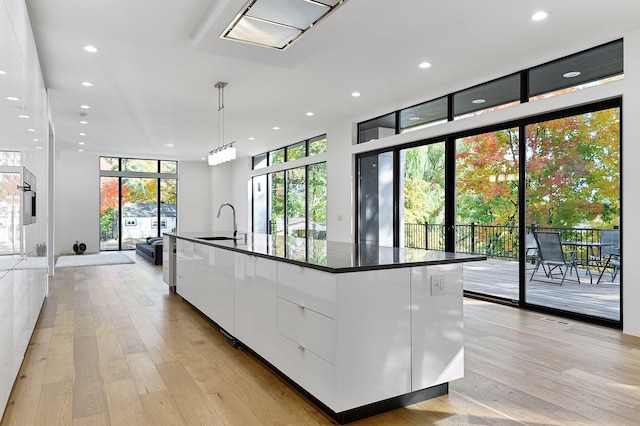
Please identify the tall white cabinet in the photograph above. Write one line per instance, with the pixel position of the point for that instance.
(23, 274)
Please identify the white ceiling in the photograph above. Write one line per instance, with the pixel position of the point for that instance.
(158, 62)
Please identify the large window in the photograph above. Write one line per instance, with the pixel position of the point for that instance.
(137, 200)
(292, 152)
(493, 192)
(291, 203)
(591, 67)
(10, 202)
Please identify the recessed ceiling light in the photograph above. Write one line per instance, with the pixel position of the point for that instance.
(539, 16)
(202, 158)
(251, 138)
(81, 150)
(309, 114)
(571, 74)
(276, 128)
(87, 83)
(168, 145)
(355, 94)
(23, 116)
(3, 72)
(12, 98)
(83, 121)
(424, 65)
(91, 49)
(80, 143)
(82, 134)
(31, 130)
(35, 139)
(478, 101)
(39, 147)
(85, 106)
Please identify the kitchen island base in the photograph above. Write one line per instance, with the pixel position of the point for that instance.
(360, 329)
(346, 416)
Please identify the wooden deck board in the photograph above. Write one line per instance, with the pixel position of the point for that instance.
(500, 278)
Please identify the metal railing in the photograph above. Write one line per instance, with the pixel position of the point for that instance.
(494, 241)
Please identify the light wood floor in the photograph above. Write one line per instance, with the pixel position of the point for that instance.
(112, 346)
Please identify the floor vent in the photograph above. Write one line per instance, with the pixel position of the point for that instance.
(555, 320)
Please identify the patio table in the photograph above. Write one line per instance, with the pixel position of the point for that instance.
(590, 245)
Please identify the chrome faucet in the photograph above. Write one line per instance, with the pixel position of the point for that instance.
(235, 225)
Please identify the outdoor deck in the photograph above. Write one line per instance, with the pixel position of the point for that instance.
(500, 278)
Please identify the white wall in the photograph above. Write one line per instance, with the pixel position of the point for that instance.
(630, 182)
(78, 201)
(194, 187)
(340, 183)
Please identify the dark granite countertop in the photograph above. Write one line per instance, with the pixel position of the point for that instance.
(329, 256)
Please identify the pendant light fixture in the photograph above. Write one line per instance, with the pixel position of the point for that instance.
(224, 152)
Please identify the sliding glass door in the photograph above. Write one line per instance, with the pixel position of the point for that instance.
(376, 189)
(422, 196)
(138, 200)
(139, 211)
(559, 174)
(573, 190)
(487, 211)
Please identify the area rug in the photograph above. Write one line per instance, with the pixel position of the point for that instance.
(93, 260)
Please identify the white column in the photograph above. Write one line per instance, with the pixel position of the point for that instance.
(630, 181)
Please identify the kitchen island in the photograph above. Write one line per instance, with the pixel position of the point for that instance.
(360, 329)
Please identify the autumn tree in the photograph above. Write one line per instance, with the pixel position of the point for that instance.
(573, 170)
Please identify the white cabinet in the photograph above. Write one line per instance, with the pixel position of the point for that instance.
(205, 278)
(220, 276)
(374, 336)
(185, 264)
(169, 261)
(437, 334)
(314, 374)
(309, 329)
(349, 339)
(308, 287)
(256, 306)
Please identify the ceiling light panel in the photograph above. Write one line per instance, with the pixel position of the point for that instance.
(277, 23)
(293, 13)
(256, 31)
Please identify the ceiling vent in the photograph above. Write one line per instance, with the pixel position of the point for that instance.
(277, 23)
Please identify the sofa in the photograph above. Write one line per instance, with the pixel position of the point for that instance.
(151, 250)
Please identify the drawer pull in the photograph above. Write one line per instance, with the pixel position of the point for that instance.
(301, 307)
(302, 348)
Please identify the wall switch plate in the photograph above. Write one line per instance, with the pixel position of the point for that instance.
(437, 285)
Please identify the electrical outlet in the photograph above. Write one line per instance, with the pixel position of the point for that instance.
(437, 285)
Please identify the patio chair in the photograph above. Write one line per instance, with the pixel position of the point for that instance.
(531, 251)
(603, 255)
(552, 255)
(613, 263)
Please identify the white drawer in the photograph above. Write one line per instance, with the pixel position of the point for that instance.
(314, 374)
(308, 287)
(307, 328)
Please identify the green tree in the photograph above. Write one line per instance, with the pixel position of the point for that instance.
(424, 183)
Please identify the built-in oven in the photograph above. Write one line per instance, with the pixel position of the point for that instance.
(28, 188)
